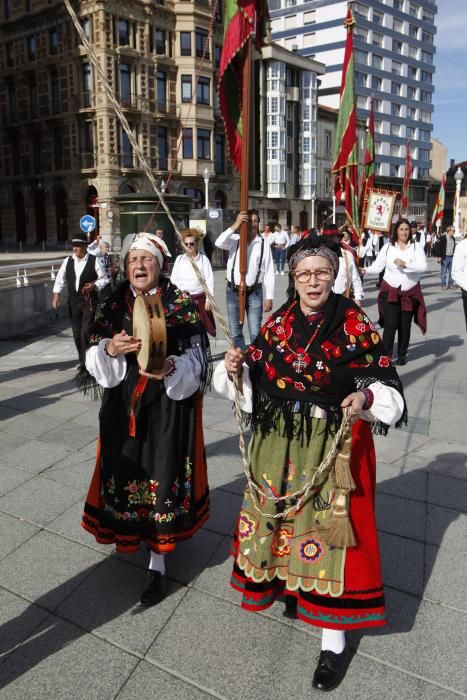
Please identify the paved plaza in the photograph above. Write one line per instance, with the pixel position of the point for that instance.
(70, 621)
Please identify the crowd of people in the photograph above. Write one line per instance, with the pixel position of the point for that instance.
(306, 531)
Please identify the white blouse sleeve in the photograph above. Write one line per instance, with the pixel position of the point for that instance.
(185, 379)
(379, 264)
(107, 371)
(388, 404)
(417, 260)
(208, 274)
(225, 386)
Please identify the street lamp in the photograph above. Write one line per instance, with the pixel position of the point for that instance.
(206, 176)
(458, 177)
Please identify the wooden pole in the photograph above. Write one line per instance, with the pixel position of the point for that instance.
(244, 180)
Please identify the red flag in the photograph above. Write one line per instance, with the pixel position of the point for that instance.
(243, 19)
(345, 166)
(438, 212)
(406, 185)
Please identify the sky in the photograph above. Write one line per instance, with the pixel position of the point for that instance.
(450, 98)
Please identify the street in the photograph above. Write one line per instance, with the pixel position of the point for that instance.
(71, 625)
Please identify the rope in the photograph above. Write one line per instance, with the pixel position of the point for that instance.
(254, 488)
(148, 172)
(302, 494)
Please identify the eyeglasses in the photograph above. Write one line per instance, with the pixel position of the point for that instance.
(190, 245)
(305, 276)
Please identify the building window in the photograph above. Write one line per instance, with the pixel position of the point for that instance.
(361, 56)
(87, 84)
(203, 91)
(396, 68)
(309, 17)
(413, 52)
(160, 39)
(31, 47)
(395, 88)
(162, 148)
(423, 135)
(413, 31)
(327, 144)
(86, 27)
(6, 9)
(187, 143)
(412, 72)
(360, 79)
(203, 144)
(376, 83)
(377, 61)
(425, 96)
(411, 113)
(395, 130)
(395, 109)
(427, 16)
(201, 43)
(424, 116)
(9, 54)
(423, 154)
(33, 108)
(186, 88)
(397, 46)
(393, 170)
(427, 57)
(219, 161)
(217, 56)
(409, 132)
(161, 91)
(12, 103)
(411, 92)
(58, 147)
(377, 39)
(123, 32)
(127, 149)
(125, 84)
(398, 26)
(426, 77)
(185, 43)
(414, 9)
(395, 150)
(399, 5)
(55, 91)
(28, 5)
(377, 17)
(37, 154)
(53, 42)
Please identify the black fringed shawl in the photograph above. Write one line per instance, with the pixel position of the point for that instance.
(184, 328)
(346, 355)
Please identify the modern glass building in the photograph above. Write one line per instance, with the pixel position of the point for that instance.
(394, 49)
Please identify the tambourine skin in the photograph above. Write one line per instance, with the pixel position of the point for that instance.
(149, 326)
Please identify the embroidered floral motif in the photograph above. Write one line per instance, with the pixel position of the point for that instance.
(141, 492)
(384, 361)
(280, 546)
(246, 526)
(310, 549)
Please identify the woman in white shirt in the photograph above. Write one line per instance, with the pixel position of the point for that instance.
(400, 296)
(184, 277)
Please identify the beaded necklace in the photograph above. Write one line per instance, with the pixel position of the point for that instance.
(299, 364)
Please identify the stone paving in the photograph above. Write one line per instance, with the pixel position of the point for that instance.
(71, 626)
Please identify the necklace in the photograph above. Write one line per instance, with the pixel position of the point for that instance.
(299, 363)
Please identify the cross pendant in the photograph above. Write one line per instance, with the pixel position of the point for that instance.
(298, 364)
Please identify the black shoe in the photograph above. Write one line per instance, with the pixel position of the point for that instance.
(330, 670)
(402, 360)
(156, 589)
(290, 607)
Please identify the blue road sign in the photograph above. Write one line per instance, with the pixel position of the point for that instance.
(87, 223)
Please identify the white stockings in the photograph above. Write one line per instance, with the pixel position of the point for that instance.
(333, 640)
(157, 562)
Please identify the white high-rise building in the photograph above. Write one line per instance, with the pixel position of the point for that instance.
(394, 54)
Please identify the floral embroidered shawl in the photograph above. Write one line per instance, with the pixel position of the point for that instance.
(346, 355)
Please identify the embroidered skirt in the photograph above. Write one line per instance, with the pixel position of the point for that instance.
(150, 480)
(335, 588)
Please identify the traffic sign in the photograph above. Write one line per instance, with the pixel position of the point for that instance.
(87, 223)
(110, 214)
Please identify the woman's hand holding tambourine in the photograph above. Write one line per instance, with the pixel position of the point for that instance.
(168, 368)
(122, 344)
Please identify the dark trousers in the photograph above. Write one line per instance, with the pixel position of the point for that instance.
(464, 301)
(81, 315)
(396, 321)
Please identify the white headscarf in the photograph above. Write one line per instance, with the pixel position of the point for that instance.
(145, 241)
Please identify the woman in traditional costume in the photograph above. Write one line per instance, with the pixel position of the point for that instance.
(307, 529)
(184, 277)
(400, 296)
(150, 481)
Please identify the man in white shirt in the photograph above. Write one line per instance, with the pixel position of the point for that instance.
(348, 281)
(281, 242)
(260, 271)
(459, 271)
(82, 275)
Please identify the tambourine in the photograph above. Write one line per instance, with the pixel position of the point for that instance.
(149, 326)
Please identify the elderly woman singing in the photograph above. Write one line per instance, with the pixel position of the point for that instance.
(316, 356)
(150, 480)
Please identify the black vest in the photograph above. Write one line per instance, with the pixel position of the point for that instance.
(89, 274)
